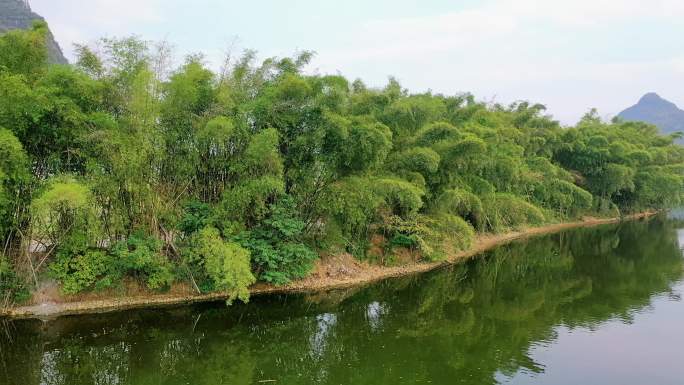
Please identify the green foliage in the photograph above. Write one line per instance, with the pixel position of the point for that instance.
(563, 197)
(417, 159)
(611, 162)
(261, 181)
(367, 147)
(463, 153)
(12, 288)
(400, 196)
(25, 52)
(506, 211)
(226, 264)
(13, 158)
(141, 256)
(461, 203)
(14, 174)
(613, 178)
(62, 197)
(437, 132)
(657, 187)
(277, 160)
(196, 217)
(452, 233)
(406, 115)
(79, 268)
(219, 144)
(261, 157)
(278, 253)
(353, 203)
(248, 202)
(436, 237)
(65, 212)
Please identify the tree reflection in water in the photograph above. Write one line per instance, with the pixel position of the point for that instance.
(465, 324)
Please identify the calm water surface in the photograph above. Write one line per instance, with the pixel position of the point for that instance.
(589, 306)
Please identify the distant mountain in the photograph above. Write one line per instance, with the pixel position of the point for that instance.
(17, 14)
(657, 111)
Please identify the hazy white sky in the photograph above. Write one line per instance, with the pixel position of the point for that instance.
(568, 54)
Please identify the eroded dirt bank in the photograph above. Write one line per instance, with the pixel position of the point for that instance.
(330, 272)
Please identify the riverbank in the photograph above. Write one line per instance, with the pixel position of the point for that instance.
(330, 273)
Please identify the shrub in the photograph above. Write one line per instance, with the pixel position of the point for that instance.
(435, 133)
(461, 203)
(402, 197)
(65, 209)
(142, 257)
(454, 232)
(562, 197)
(248, 202)
(279, 262)
(195, 217)
(12, 288)
(278, 254)
(401, 240)
(225, 264)
(78, 267)
(505, 211)
(13, 174)
(352, 204)
(84, 269)
(435, 236)
(417, 159)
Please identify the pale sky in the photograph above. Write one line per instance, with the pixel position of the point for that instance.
(570, 55)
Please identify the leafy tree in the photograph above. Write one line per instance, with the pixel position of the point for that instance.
(278, 253)
(12, 288)
(64, 213)
(353, 205)
(401, 197)
(14, 176)
(123, 167)
(25, 52)
(226, 264)
(461, 203)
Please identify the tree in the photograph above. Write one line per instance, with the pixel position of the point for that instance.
(226, 264)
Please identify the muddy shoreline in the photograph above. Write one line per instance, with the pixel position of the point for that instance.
(320, 280)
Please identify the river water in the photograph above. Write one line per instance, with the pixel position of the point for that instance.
(589, 306)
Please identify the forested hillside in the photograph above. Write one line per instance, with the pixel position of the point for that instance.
(119, 167)
(17, 14)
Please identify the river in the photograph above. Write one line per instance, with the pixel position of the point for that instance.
(587, 306)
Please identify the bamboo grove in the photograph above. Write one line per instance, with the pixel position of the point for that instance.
(118, 168)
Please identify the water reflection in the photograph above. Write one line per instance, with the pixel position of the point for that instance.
(325, 324)
(374, 312)
(475, 323)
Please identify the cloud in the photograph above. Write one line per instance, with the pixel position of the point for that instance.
(591, 12)
(497, 21)
(438, 33)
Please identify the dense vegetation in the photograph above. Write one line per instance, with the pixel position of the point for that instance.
(120, 167)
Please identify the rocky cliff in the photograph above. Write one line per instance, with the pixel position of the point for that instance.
(17, 14)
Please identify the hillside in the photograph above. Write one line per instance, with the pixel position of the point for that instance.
(16, 14)
(653, 109)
